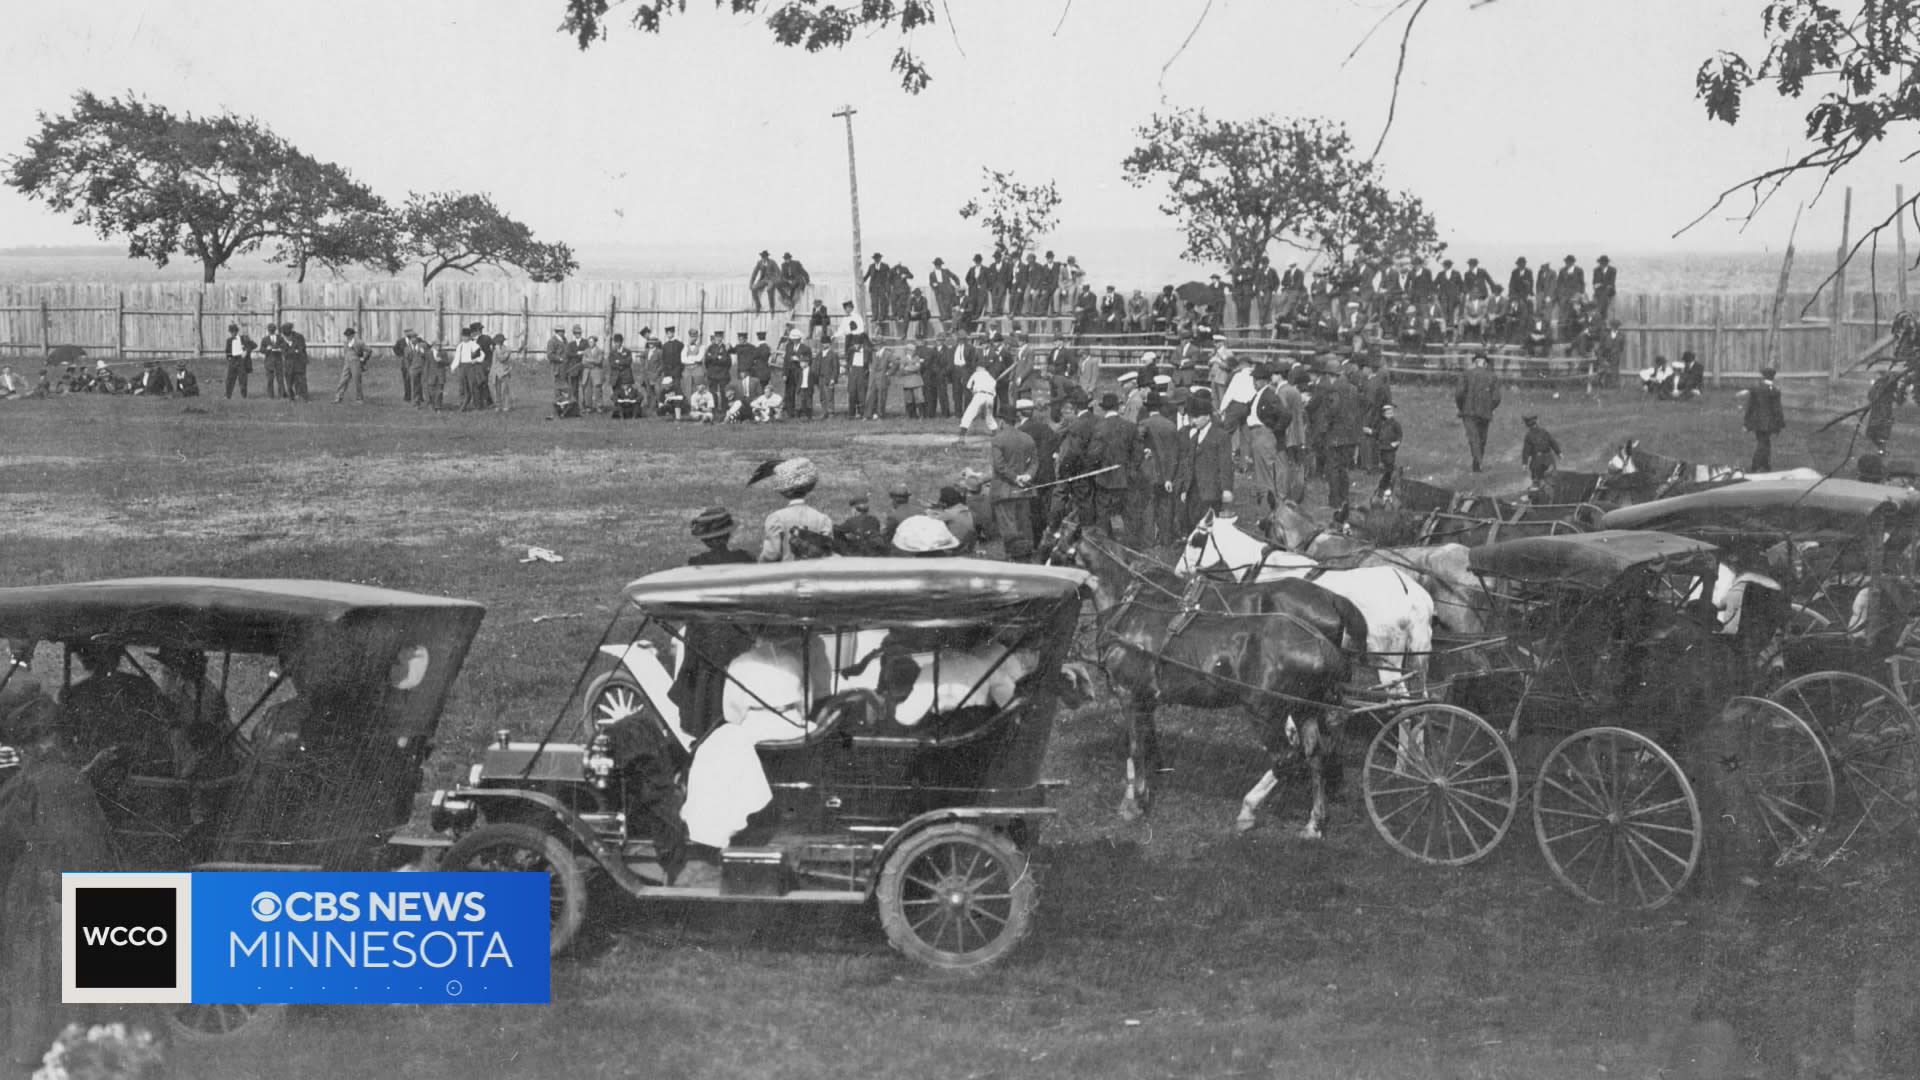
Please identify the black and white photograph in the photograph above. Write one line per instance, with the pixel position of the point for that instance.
(960, 539)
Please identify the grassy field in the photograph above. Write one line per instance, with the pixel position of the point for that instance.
(1167, 948)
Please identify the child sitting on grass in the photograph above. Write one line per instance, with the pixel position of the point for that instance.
(700, 405)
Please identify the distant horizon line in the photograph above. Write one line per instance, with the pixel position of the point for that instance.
(104, 250)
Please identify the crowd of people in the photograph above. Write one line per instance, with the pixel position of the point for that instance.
(1146, 461)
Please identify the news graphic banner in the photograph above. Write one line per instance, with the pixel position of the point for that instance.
(306, 938)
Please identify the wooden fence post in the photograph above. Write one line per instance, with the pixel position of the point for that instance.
(120, 325)
(1716, 359)
(1839, 329)
(613, 312)
(440, 317)
(359, 314)
(700, 325)
(200, 322)
(1900, 237)
(279, 307)
(46, 327)
(526, 321)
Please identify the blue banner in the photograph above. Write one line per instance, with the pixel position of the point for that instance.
(392, 938)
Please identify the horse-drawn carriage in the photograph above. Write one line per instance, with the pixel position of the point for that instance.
(244, 725)
(1600, 641)
(1826, 567)
(888, 717)
(1603, 641)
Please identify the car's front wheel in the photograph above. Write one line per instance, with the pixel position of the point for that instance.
(524, 848)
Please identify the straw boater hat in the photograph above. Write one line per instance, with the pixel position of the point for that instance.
(794, 476)
(712, 523)
(921, 534)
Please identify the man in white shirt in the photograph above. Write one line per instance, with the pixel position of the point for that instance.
(980, 389)
(1256, 439)
(465, 368)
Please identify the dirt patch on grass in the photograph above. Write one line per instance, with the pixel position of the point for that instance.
(908, 439)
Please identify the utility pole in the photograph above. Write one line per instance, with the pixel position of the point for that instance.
(853, 190)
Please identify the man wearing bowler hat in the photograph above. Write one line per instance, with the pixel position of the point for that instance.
(765, 281)
(1765, 418)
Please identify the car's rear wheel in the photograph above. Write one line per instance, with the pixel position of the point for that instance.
(526, 849)
(956, 897)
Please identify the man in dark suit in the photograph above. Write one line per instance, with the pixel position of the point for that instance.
(878, 278)
(1266, 285)
(1604, 277)
(1520, 285)
(1159, 462)
(946, 291)
(1449, 287)
(1047, 286)
(1572, 281)
(1015, 464)
(1075, 458)
(1116, 448)
(1765, 418)
(764, 281)
(1046, 444)
(239, 359)
(936, 373)
(1544, 284)
(1205, 466)
(979, 282)
(1477, 396)
(1478, 284)
(1421, 289)
(794, 280)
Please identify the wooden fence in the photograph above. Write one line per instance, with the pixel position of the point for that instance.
(173, 320)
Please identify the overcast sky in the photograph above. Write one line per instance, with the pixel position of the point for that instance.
(1528, 126)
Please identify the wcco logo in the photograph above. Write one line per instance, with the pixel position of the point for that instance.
(124, 937)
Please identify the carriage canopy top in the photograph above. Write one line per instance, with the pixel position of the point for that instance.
(873, 591)
(1593, 560)
(1773, 510)
(219, 614)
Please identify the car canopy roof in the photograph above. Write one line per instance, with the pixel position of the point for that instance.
(1592, 560)
(866, 591)
(219, 614)
(1772, 510)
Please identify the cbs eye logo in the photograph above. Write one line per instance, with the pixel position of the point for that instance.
(125, 938)
(265, 906)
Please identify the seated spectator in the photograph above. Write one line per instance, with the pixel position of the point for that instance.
(626, 401)
(736, 411)
(565, 405)
(700, 405)
(184, 384)
(766, 407)
(1659, 379)
(11, 385)
(672, 402)
(1691, 379)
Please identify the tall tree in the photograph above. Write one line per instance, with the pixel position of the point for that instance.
(1239, 186)
(207, 187)
(450, 231)
(1015, 214)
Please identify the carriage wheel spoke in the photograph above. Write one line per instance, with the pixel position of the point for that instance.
(1663, 849)
(1425, 802)
(1465, 794)
(1646, 811)
(1636, 845)
(1461, 809)
(1407, 790)
(1463, 768)
(1424, 797)
(1572, 794)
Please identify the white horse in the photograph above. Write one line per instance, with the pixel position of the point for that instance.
(1398, 611)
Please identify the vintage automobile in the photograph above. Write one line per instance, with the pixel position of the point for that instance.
(245, 725)
(906, 774)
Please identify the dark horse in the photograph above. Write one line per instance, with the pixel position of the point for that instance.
(1282, 649)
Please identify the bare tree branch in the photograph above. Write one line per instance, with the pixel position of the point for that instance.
(1399, 69)
(1068, 6)
(1197, 23)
